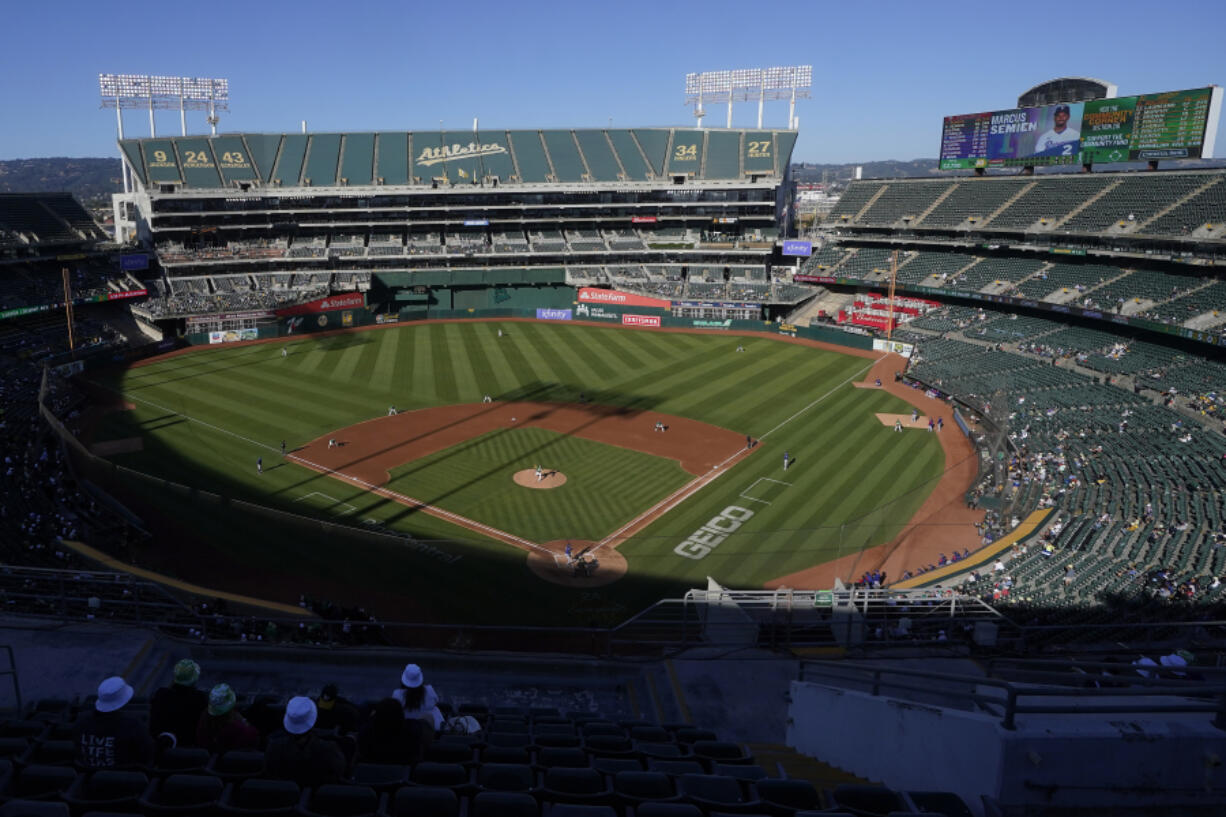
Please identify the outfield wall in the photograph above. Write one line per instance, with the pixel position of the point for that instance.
(551, 303)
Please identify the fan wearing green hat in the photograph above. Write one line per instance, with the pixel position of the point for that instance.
(222, 727)
(174, 711)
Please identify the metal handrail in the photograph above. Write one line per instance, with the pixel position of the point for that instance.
(1144, 688)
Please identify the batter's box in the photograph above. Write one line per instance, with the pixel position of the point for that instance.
(341, 508)
(765, 490)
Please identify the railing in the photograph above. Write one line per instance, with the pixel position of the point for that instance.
(11, 672)
(1160, 695)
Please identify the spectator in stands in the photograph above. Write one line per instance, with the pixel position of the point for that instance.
(418, 698)
(390, 737)
(336, 712)
(108, 737)
(300, 754)
(175, 710)
(222, 727)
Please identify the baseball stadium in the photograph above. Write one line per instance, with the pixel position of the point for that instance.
(602, 410)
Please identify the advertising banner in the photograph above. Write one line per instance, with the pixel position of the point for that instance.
(592, 295)
(641, 320)
(233, 335)
(131, 293)
(387, 317)
(554, 314)
(904, 349)
(134, 262)
(642, 219)
(194, 321)
(801, 249)
(587, 312)
(814, 279)
(348, 300)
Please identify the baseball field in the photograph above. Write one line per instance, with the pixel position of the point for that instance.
(640, 438)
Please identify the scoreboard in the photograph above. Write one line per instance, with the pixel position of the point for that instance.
(1172, 125)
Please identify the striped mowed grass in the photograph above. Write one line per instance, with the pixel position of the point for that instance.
(206, 416)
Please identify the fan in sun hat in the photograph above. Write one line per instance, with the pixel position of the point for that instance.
(411, 677)
(300, 715)
(187, 672)
(113, 693)
(221, 700)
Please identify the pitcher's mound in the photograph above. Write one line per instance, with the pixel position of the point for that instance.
(551, 565)
(549, 478)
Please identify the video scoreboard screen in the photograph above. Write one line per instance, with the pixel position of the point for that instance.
(1172, 125)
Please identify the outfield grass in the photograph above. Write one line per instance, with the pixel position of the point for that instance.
(606, 485)
(854, 482)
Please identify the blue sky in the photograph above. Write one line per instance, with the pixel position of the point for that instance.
(884, 72)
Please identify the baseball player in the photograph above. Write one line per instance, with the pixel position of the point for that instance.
(787, 460)
(914, 414)
(332, 443)
(570, 553)
(284, 352)
(539, 474)
(898, 425)
(259, 465)
(283, 448)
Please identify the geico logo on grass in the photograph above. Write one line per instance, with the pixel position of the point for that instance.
(709, 536)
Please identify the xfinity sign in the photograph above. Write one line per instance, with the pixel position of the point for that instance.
(802, 249)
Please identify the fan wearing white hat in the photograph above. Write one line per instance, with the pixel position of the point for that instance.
(108, 737)
(418, 698)
(299, 753)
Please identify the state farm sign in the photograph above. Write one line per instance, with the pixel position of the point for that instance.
(592, 295)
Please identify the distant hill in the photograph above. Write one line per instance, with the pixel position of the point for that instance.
(91, 180)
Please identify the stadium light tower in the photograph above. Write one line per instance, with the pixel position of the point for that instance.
(749, 84)
(121, 91)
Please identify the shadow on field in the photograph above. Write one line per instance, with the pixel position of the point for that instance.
(547, 394)
(212, 529)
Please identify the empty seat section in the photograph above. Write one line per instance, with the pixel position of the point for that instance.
(1134, 200)
(529, 155)
(263, 149)
(567, 164)
(654, 144)
(723, 155)
(630, 155)
(601, 162)
(323, 154)
(1206, 207)
(973, 198)
(358, 159)
(288, 168)
(857, 194)
(1051, 199)
(904, 200)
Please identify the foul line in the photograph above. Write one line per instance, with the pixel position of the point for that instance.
(455, 518)
(187, 417)
(823, 397)
(689, 489)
